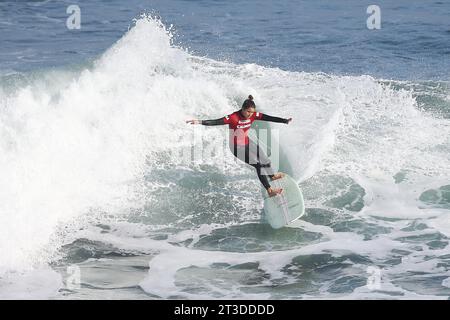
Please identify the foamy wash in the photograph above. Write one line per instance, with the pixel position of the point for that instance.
(91, 179)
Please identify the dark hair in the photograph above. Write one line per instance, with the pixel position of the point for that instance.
(248, 103)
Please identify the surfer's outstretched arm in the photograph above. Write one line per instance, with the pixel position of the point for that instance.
(266, 117)
(215, 122)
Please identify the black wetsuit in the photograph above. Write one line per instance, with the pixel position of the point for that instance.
(242, 147)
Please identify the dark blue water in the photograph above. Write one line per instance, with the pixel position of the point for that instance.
(413, 42)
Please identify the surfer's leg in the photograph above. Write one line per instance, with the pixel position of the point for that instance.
(249, 155)
(240, 152)
(264, 181)
(259, 160)
(258, 157)
(266, 165)
(261, 177)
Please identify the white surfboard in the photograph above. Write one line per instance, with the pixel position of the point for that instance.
(286, 207)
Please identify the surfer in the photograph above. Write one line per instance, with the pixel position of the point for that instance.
(244, 148)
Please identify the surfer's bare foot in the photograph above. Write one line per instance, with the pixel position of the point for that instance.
(274, 192)
(278, 175)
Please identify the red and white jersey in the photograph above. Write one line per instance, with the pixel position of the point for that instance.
(239, 126)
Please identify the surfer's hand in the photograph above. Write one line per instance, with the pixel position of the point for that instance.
(289, 120)
(194, 121)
